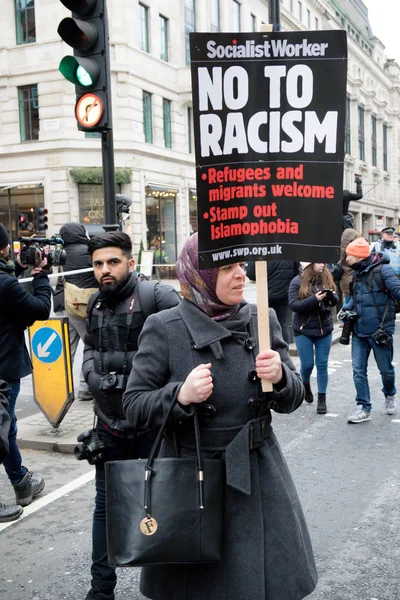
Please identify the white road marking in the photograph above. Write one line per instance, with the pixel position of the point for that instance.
(42, 502)
(395, 420)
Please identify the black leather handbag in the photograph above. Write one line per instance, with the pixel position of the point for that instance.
(165, 510)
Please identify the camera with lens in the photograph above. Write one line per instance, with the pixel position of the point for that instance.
(90, 448)
(349, 317)
(32, 251)
(112, 381)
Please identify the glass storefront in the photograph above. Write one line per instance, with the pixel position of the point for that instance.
(193, 221)
(18, 204)
(161, 223)
(91, 206)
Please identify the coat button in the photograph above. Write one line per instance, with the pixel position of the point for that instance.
(208, 410)
(249, 344)
(254, 402)
(252, 375)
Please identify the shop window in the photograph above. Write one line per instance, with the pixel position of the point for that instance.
(161, 223)
(28, 104)
(193, 220)
(91, 204)
(25, 21)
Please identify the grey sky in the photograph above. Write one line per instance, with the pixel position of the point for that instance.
(384, 17)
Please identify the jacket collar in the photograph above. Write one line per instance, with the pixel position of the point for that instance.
(203, 330)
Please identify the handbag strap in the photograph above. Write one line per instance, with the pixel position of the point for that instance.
(148, 469)
(376, 305)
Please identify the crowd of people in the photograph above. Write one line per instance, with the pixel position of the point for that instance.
(144, 346)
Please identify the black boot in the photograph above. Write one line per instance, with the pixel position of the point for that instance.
(321, 405)
(9, 513)
(309, 395)
(28, 488)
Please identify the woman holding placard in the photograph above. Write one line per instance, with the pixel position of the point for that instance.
(311, 294)
(205, 353)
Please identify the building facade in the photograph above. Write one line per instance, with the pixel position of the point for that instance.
(46, 162)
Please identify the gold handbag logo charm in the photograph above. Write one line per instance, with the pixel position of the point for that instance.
(148, 526)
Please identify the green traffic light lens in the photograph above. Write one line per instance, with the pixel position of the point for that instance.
(83, 77)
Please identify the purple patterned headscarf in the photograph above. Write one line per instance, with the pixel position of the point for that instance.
(198, 285)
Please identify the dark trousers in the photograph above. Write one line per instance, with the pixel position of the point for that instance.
(104, 577)
(13, 461)
(281, 307)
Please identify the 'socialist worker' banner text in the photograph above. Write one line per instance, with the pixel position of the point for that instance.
(269, 116)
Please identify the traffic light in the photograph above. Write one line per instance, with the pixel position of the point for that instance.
(41, 218)
(89, 68)
(24, 224)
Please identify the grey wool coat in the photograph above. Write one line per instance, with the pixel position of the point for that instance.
(267, 553)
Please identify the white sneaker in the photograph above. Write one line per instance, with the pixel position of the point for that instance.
(359, 415)
(390, 405)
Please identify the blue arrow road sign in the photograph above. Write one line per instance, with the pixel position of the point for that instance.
(47, 345)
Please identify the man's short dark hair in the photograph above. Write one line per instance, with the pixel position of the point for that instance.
(117, 239)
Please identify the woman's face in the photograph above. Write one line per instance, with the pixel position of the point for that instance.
(318, 267)
(230, 284)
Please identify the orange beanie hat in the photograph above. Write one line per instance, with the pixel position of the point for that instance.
(358, 248)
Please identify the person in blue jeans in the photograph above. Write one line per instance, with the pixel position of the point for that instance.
(311, 295)
(18, 310)
(374, 288)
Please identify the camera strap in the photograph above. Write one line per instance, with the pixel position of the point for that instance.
(129, 317)
(370, 275)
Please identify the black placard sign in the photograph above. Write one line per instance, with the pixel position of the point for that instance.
(269, 119)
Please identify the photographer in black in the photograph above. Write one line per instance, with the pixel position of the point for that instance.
(18, 310)
(115, 318)
(374, 288)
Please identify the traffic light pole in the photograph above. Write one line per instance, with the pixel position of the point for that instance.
(107, 153)
(275, 14)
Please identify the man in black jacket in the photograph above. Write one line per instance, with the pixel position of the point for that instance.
(280, 274)
(115, 318)
(76, 241)
(18, 310)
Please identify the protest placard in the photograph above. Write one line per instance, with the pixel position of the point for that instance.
(269, 116)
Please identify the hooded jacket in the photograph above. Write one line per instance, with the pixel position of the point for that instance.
(18, 310)
(362, 300)
(78, 257)
(348, 236)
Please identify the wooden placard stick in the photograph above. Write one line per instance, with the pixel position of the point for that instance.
(262, 294)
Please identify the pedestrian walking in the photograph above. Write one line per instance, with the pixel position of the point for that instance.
(206, 351)
(115, 317)
(76, 239)
(374, 288)
(18, 310)
(312, 293)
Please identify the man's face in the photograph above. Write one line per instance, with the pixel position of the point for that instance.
(112, 268)
(388, 237)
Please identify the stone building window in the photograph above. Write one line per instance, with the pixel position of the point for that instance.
(167, 123)
(147, 118)
(164, 34)
(28, 104)
(25, 21)
(190, 25)
(144, 27)
(361, 132)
